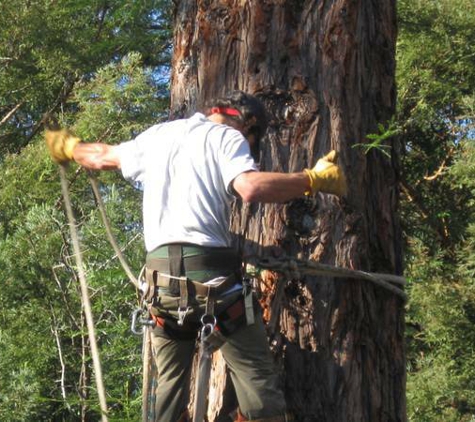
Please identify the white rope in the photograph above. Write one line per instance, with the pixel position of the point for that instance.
(84, 294)
(149, 373)
(110, 235)
(287, 265)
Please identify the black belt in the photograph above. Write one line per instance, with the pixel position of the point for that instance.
(226, 260)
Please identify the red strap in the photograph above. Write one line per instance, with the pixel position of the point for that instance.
(225, 110)
(159, 321)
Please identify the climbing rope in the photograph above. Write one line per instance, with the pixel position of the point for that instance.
(148, 371)
(297, 268)
(84, 294)
(146, 352)
(110, 235)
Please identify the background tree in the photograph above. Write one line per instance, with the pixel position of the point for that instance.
(309, 59)
(326, 73)
(436, 81)
(49, 47)
(94, 65)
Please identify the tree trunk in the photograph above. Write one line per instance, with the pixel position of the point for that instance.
(325, 70)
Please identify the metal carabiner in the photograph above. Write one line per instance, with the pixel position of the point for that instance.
(204, 367)
(138, 320)
(208, 324)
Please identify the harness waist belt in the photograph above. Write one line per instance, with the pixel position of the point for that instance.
(196, 288)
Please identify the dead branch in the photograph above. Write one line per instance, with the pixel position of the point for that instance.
(11, 113)
(442, 167)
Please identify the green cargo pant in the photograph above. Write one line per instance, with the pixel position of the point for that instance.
(251, 366)
(245, 351)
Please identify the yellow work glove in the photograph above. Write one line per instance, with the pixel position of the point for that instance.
(327, 176)
(61, 144)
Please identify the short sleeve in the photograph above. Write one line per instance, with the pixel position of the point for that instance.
(235, 157)
(132, 155)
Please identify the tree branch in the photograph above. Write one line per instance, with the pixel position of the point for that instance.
(442, 167)
(64, 299)
(54, 330)
(414, 198)
(11, 113)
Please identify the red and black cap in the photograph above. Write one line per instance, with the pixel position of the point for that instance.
(247, 110)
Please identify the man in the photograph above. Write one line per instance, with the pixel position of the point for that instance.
(190, 171)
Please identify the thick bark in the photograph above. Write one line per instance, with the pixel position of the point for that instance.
(325, 70)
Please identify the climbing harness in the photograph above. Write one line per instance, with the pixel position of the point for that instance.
(189, 288)
(193, 298)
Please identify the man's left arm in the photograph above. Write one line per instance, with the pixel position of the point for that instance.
(97, 156)
(64, 147)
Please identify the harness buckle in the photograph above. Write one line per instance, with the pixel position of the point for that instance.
(182, 312)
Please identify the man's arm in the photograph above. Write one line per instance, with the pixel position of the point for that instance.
(64, 146)
(325, 177)
(96, 156)
(254, 186)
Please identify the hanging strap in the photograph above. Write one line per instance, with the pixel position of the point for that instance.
(176, 270)
(178, 281)
(210, 341)
(175, 260)
(210, 300)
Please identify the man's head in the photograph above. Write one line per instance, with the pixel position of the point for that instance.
(246, 112)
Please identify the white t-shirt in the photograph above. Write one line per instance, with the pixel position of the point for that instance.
(185, 168)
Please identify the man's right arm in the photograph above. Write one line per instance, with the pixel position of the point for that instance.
(96, 156)
(64, 147)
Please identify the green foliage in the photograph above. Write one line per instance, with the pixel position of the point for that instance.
(97, 65)
(48, 47)
(378, 139)
(435, 59)
(119, 92)
(436, 77)
(441, 356)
